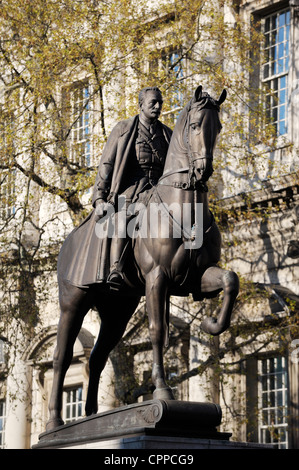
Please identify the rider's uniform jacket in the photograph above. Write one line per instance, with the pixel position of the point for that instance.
(132, 160)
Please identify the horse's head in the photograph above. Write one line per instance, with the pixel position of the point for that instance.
(203, 127)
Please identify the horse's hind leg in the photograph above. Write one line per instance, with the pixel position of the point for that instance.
(216, 279)
(74, 304)
(115, 313)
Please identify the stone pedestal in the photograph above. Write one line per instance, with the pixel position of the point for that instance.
(154, 424)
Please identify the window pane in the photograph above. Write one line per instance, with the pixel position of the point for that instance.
(274, 406)
(2, 423)
(73, 404)
(276, 66)
(282, 128)
(266, 71)
(283, 82)
(281, 34)
(2, 360)
(282, 113)
(280, 51)
(282, 96)
(81, 127)
(7, 193)
(282, 19)
(173, 64)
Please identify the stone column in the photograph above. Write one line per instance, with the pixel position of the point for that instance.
(17, 426)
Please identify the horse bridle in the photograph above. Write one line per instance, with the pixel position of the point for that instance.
(192, 183)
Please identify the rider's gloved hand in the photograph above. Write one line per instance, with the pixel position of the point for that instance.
(101, 208)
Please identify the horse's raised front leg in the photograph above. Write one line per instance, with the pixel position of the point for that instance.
(115, 313)
(74, 304)
(157, 304)
(215, 279)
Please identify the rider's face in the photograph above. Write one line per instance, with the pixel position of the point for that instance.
(151, 106)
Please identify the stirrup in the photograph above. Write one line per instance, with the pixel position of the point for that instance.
(115, 279)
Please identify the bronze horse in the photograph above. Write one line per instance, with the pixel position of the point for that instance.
(159, 265)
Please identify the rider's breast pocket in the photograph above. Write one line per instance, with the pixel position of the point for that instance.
(143, 154)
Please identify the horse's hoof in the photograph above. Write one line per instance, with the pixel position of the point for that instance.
(54, 423)
(163, 394)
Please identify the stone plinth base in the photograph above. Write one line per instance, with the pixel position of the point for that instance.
(154, 424)
(158, 443)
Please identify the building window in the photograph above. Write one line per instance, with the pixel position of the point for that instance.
(7, 194)
(173, 373)
(80, 135)
(2, 423)
(276, 68)
(274, 402)
(7, 175)
(173, 66)
(2, 354)
(72, 404)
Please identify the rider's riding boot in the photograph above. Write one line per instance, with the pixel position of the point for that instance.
(115, 278)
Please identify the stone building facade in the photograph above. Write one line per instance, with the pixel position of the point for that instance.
(256, 382)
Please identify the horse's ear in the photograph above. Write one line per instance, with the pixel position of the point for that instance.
(222, 97)
(197, 94)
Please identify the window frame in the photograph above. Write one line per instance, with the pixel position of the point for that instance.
(2, 352)
(7, 193)
(170, 60)
(81, 124)
(269, 388)
(275, 81)
(73, 404)
(7, 175)
(2, 423)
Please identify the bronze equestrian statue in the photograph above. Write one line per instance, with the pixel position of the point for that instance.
(132, 161)
(156, 266)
